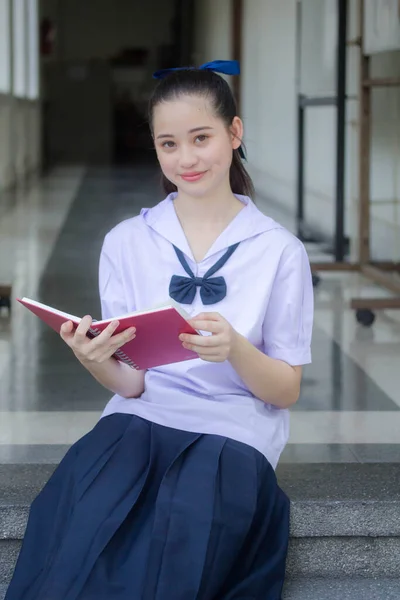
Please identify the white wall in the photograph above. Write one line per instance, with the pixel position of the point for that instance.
(269, 91)
(6, 162)
(385, 175)
(213, 20)
(269, 27)
(269, 109)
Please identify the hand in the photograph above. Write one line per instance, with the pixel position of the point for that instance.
(98, 349)
(216, 347)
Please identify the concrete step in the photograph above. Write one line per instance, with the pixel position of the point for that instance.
(345, 518)
(350, 588)
(331, 589)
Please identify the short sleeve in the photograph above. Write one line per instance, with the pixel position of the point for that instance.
(288, 323)
(111, 288)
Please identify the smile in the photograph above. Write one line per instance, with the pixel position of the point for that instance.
(195, 176)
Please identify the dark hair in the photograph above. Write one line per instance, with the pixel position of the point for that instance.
(196, 82)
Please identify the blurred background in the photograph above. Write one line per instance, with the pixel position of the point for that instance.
(319, 94)
(75, 78)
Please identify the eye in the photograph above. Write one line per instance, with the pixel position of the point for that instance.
(201, 138)
(170, 144)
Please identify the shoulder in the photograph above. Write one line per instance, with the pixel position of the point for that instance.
(285, 243)
(275, 238)
(280, 249)
(121, 235)
(123, 229)
(288, 256)
(134, 229)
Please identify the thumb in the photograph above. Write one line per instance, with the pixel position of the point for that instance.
(66, 328)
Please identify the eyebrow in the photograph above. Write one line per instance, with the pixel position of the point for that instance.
(170, 135)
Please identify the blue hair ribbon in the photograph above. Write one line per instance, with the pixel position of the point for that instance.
(227, 67)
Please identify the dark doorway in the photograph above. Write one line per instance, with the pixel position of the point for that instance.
(97, 83)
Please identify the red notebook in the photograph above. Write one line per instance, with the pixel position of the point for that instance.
(157, 332)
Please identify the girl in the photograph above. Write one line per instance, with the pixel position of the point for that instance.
(173, 494)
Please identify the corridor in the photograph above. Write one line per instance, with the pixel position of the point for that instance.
(349, 410)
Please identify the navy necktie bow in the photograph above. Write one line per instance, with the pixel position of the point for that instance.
(212, 289)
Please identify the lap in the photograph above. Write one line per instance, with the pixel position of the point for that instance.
(140, 510)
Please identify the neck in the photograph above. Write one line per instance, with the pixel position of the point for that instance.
(213, 208)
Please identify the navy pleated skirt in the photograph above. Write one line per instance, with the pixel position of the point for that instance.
(138, 511)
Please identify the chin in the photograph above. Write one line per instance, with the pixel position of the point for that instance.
(196, 191)
(199, 189)
(200, 193)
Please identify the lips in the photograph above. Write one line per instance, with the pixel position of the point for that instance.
(194, 176)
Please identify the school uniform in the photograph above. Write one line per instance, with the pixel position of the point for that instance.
(173, 495)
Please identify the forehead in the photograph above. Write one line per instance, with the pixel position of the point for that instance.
(183, 113)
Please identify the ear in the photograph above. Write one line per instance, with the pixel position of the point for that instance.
(236, 130)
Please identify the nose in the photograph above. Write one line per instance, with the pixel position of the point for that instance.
(187, 157)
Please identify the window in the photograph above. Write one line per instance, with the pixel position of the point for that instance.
(33, 49)
(5, 79)
(19, 47)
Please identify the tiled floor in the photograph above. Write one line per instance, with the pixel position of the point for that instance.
(349, 409)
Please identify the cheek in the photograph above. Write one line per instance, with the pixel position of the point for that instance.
(222, 155)
(167, 161)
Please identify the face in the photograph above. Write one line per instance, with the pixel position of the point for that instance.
(194, 147)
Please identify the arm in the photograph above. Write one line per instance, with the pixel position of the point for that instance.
(271, 380)
(118, 378)
(96, 355)
(272, 374)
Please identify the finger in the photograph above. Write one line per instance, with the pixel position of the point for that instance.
(66, 330)
(210, 354)
(212, 357)
(107, 333)
(110, 341)
(201, 340)
(122, 338)
(205, 325)
(208, 316)
(203, 350)
(83, 327)
(66, 327)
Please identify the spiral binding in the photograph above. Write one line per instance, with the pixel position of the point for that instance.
(119, 354)
(124, 358)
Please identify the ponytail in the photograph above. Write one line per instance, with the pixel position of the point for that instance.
(239, 178)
